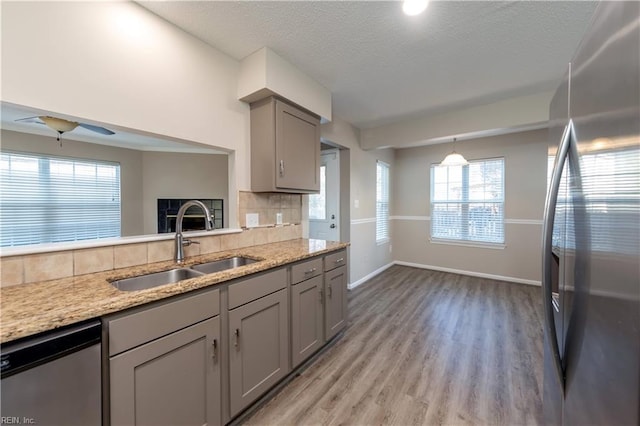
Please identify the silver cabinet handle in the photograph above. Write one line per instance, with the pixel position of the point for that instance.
(310, 271)
(340, 260)
(547, 235)
(320, 293)
(237, 337)
(281, 168)
(330, 290)
(214, 349)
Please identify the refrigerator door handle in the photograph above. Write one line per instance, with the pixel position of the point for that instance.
(547, 234)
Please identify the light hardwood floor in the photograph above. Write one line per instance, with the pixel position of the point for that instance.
(424, 347)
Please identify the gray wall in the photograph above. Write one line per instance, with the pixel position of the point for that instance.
(525, 186)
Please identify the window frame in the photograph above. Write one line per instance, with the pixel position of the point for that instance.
(383, 233)
(64, 176)
(468, 242)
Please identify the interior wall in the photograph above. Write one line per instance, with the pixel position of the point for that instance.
(118, 64)
(180, 175)
(367, 256)
(525, 157)
(130, 168)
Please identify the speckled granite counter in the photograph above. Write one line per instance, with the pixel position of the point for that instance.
(32, 308)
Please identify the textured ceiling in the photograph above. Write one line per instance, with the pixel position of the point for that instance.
(381, 65)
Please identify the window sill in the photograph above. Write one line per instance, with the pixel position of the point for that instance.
(474, 244)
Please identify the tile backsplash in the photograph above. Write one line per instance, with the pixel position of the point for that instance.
(25, 269)
(267, 205)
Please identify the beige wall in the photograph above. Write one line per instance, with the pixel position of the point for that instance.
(118, 64)
(145, 176)
(178, 175)
(525, 185)
(130, 168)
(366, 256)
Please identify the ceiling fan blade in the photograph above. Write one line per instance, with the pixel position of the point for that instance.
(96, 129)
(35, 119)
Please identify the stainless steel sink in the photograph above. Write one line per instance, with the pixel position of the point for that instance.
(155, 279)
(223, 264)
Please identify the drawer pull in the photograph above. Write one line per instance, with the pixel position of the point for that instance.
(237, 337)
(330, 290)
(310, 271)
(214, 349)
(340, 260)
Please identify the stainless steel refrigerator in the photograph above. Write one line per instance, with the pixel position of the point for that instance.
(591, 232)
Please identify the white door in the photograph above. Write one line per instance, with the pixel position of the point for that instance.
(324, 208)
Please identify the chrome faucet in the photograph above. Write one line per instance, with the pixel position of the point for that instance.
(181, 242)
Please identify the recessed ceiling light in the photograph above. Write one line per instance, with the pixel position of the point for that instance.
(414, 7)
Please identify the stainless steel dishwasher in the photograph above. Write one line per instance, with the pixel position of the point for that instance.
(53, 378)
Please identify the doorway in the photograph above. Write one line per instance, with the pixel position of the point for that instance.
(324, 208)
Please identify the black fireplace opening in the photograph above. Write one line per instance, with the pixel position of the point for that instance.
(194, 216)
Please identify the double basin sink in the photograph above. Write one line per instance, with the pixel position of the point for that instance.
(156, 279)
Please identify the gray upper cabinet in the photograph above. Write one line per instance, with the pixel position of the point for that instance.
(171, 380)
(285, 148)
(258, 348)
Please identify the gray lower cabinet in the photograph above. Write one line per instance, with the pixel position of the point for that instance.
(306, 319)
(335, 301)
(258, 348)
(172, 380)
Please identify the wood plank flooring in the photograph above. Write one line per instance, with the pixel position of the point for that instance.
(424, 348)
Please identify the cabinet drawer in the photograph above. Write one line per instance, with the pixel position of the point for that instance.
(129, 330)
(305, 270)
(334, 260)
(254, 288)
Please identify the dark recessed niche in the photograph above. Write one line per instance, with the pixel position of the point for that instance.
(194, 217)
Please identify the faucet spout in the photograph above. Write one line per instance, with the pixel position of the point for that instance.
(180, 242)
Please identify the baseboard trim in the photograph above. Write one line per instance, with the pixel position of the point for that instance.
(469, 273)
(369, 276)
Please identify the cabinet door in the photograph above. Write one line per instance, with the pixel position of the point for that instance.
(306, 319)
(259, 348)
(297, 149)
(171, 380)
(335, 282)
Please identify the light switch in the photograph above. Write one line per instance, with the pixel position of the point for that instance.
(278, 218)
(253, 220)
(356, 204)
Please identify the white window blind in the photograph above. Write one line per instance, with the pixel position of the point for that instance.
(46, 199)
(609, 186)
(467, 202)
(382, 201)
(318, 202)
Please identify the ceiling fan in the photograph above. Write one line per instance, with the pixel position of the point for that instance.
(61, 125)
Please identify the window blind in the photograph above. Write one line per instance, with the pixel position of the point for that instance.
(45, 199)
(609, 185)
(467, 202)
(382, 201)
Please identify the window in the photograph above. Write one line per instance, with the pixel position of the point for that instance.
(467, 202)
(68, 199)
(382, 202)
(318, 202)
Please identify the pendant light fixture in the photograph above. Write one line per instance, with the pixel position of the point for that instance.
(454, 159)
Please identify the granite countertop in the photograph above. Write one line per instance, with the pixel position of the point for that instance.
(32, 308)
